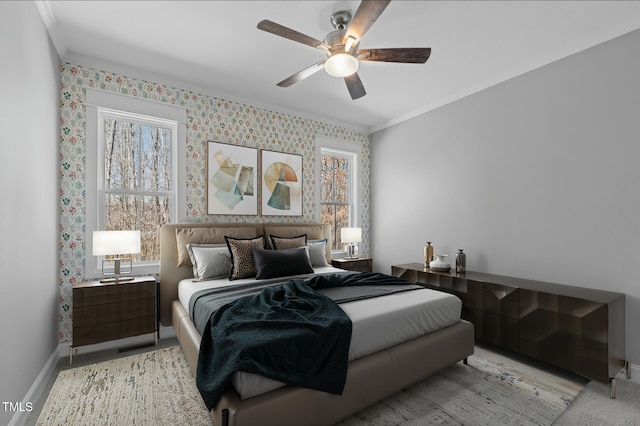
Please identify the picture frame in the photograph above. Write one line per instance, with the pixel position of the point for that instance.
(232, 179)
(281, 183)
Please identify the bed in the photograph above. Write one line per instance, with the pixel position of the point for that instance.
(374, 371)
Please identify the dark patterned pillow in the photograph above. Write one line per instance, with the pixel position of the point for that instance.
(283, 243)
(242, 264)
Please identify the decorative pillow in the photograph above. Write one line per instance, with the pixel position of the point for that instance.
(204, 235)
(283, 243)
(281, 263)
(318, 252)
(242, 264)
(210, 260)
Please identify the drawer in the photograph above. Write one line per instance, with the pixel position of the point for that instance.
(500, 300)
(111, 312)
(91, 296)
(114, 330)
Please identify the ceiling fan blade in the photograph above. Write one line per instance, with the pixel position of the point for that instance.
(282, 31)
(301, 75)
(411, 55)
(354, 84)
(366, 15)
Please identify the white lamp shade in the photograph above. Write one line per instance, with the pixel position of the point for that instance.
(351, 235)
(115, 242)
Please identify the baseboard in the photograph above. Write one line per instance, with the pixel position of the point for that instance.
(34, 392)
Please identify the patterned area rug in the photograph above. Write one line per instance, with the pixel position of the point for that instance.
(152, 388)
(156, 388)
(491, 390)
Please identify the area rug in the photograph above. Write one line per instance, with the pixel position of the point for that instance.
(493, 389)
(151, 388)
(157, 388)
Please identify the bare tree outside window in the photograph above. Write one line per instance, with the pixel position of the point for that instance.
(137, 184)
(335, 189)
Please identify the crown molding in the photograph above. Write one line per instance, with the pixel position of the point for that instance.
(186, 84)
(50, 23)
(589, 41)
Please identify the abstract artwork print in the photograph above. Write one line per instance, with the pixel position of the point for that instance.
(281, 184)
(231, 179)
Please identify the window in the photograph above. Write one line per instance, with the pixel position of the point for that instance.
(136, 180)
(338, 199)
(335, 181)
(134, 170)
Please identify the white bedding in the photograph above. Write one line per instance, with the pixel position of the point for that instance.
(378, 323)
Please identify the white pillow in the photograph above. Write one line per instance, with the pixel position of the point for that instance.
(210, 260)
(317, 252)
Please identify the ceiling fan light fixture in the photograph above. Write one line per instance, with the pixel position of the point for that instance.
(351, 42)
(341, 64)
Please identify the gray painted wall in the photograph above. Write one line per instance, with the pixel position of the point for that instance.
(29, 116)
(536, 177)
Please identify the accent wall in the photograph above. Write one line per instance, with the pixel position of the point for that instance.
(209, 118)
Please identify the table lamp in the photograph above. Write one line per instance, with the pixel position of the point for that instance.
(116, 243)
(350, 236)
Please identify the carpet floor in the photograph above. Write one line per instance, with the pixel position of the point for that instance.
(594, 406)
(156, 388)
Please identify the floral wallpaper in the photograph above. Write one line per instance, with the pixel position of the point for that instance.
(208, 118)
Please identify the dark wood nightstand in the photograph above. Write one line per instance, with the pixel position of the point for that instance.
(110, 311)
(360, 264)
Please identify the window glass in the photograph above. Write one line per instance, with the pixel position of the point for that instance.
(137, 180)
(336, 192)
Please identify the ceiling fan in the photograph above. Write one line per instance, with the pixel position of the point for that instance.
(341, 46)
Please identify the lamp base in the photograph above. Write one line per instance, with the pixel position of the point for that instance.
(351, 251)
(116, 279)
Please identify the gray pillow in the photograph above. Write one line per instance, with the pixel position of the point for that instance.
(317, 252)
(210, 260)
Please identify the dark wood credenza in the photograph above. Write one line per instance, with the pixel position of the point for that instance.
(581, 330)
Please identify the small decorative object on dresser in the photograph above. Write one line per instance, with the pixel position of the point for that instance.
(428, 254)
(461, 261)
(110, 311)
(439, 263)
(361, 264)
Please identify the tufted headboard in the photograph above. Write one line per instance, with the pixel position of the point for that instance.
(171, 273)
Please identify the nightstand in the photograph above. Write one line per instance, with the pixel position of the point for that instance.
(360, 264)
(110, 311)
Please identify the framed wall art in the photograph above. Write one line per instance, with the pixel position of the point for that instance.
(281, 183)
(232, 179)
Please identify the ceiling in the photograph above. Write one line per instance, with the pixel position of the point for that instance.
(214, 47)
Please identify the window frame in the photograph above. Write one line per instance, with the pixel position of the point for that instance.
(101, 105)
(347, 149)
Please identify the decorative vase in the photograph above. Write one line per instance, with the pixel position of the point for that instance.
(461, 261)
(428, 254)
(439, 264)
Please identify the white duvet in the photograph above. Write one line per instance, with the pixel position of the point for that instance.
(378, 323)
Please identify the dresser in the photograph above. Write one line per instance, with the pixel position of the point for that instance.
(578, 329)
(110, 311)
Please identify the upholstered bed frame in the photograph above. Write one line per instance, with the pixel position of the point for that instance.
(369, 379)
